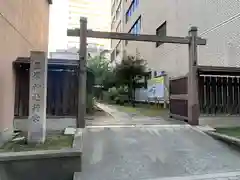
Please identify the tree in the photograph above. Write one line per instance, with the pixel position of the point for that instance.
(101, 68)
(129, 71)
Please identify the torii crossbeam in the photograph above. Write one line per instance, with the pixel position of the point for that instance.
(135, 37)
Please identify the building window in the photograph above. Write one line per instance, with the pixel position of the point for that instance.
(118, 11)
(161, 31)
(118, 48)
(136, 28)
(113, 22)
(113, 7)
(131, 9)
(112, 25)
(113, 55)
(118, 29)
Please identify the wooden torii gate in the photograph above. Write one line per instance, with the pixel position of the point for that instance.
(192, 40)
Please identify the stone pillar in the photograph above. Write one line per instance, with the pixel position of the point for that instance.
(37, 97)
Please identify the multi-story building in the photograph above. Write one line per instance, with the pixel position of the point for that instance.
(72, 53)
(217, 21)
(23, 28)
(58, 20)
(98, 15)
(117, 25)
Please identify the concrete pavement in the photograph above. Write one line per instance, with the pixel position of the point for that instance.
(123, 118)
(153, 153)
(212, 121)
(124, 148)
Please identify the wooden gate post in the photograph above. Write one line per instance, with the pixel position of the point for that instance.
(82, 74)
(193, 102)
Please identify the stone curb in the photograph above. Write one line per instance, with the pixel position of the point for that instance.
(44, 154)
(30, 155)
(61, 163)
(225, 138)
(214, 176)
(78, 144)
(78, 139)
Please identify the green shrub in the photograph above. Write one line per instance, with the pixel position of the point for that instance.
(116, 95)
(117, 100)
(113, 92)
(90, 103)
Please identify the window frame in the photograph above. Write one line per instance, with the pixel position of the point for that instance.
(134, 26)
(118, 28)
(132, 8)
(161, 31)
(118, 48)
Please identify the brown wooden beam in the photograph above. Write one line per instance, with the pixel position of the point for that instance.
(218, 69)
(179, 96)
(175, 116)
(177, 78)
(133, 37)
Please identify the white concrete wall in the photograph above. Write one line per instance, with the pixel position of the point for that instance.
(218, 22)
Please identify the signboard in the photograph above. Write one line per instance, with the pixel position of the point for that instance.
(156, 88)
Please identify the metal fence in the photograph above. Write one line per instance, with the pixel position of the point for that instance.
(178, 98)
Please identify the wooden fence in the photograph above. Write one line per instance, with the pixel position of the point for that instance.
(219, 94)
(178, 105)
(62, 89)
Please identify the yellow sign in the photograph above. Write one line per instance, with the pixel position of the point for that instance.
(157, 80)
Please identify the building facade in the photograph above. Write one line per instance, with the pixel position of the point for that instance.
(58, 28)
(72, 53)
(98, 15)
(217, 21)
(24, 28)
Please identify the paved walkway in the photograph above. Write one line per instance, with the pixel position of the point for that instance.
(154, 152)
(123, 118)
